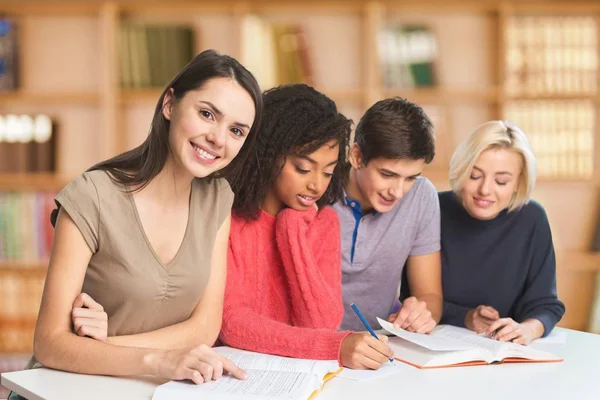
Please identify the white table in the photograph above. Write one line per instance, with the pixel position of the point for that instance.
(578, 377)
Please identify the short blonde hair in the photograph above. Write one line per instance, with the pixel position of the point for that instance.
(495, 134)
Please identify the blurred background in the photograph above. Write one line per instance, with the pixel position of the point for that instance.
(79, 81)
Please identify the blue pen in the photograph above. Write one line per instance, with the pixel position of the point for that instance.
(365, 323)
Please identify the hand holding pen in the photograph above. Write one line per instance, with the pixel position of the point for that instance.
(365, 350)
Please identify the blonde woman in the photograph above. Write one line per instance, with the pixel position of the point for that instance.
(498, 263)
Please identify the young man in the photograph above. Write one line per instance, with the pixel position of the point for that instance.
(391, 217)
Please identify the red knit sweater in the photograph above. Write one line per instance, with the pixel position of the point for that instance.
(284, 286)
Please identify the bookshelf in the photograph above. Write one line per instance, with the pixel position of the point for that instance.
(446, 96)
(18, 266)
(32, 182)
(150, 96)
(77, 43)
(62, 98)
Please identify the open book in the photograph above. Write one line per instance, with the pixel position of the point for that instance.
(450, 346)
(269, 377)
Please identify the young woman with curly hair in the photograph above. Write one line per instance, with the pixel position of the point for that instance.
(284, 294)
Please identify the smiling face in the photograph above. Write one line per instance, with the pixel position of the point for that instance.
(303, 180)
(208, 125)
(382, 182)
(493, 182)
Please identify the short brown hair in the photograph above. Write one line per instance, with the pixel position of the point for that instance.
(395, 128)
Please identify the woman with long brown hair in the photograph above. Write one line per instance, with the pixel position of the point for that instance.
(142, 238)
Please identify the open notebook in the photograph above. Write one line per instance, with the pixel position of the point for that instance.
(269, 377)
(450, 346)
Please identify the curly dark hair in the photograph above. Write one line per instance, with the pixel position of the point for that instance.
(297, 119)
(395, 128)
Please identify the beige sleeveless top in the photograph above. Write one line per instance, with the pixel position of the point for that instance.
(138, 292)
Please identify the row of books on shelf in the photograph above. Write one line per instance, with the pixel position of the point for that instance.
(8, 54)
(561, 134)
(151, 55)
(20, 297)
(25, 230)
(407, 56)
(27, 143)
(16, 338)
(552, 55)
(544, 55)
(276, 53)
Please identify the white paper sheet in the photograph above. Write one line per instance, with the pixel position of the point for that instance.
(269, 377)
(386, 369)
(250, 360)
(555, 337)
(260, 384)
(430, 342)
(448, 332)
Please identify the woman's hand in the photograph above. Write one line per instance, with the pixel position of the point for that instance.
(199, 364)
(480, 318)
(89, 318)
(508, 330)
(362, 351)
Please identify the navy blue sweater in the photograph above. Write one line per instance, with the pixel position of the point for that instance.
(507, 263)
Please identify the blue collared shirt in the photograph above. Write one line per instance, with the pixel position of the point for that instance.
(358, 215)
(379, 245)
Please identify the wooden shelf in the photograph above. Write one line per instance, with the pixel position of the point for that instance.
(16, 335)
(49, 7)
(145, 96)
(33, 181)
(178, 6)
(174, 7)
(439, 95)
(343, 95)
(553, 8)
(577, 261)
(22, 323)
(550, 180)
(25, 266)
(18, 264)
(442, 6)
(305, 6)
(139, 96)
(91, 7)
(550, 96)
(20, 97)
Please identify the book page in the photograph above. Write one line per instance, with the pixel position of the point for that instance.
(268, 377)
(249, 360)
(431, 342)
(513, 350)
(259, 385)
(500, 350)
(467, 337)
(421, 357)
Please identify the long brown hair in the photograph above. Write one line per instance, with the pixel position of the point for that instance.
(137, 167)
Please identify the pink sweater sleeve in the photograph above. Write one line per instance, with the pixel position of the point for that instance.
(245, 328)
(309, 245)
